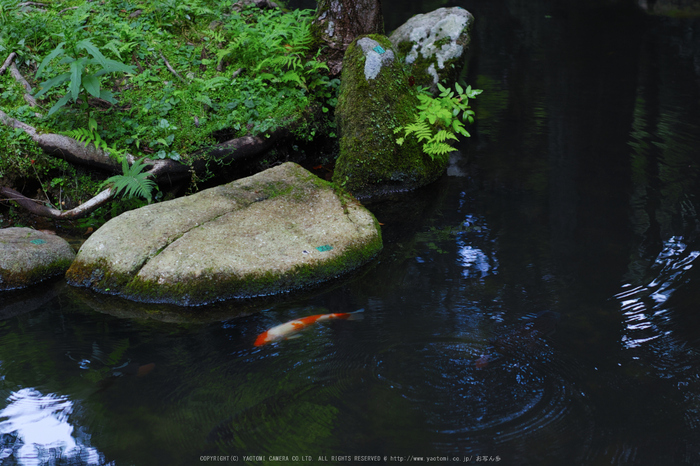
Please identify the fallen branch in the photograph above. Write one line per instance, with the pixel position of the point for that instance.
(41, 210)
(171, 69)
(20, 79)
(36, 4)
(7, 62)
(67, 9)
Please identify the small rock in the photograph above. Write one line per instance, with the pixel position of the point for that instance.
(29, 256)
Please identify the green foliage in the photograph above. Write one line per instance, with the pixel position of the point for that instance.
(438, 119)
(80, 81)
(87, 136)
(134, 182)
(241, 73)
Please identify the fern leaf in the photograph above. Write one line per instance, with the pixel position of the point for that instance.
(134, 182)
(439, 149)
(421, 129)
(444, 135)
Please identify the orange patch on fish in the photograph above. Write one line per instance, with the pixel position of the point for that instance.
(145, 369)
(287, 330)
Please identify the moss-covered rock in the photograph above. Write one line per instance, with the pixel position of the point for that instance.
(434, 45)
(375, 98)
(279, 230)
(29, 256)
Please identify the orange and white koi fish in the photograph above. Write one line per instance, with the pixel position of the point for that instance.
(288, 330)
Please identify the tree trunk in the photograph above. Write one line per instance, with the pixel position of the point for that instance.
(339, 22)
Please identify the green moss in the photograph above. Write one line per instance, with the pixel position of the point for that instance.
(213, 287)
(370, 161)
(13, 280)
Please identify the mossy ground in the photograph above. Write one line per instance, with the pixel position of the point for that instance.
(222, 92)
(368, 111)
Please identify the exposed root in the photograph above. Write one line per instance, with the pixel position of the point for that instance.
(41, 210)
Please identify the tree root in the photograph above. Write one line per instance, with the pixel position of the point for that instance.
(41, 210)
(73, 151)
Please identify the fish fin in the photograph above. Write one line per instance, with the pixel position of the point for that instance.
(357, 315)
(292, 337)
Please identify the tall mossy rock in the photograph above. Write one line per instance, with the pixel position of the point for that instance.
(29, 256)
(434, 45)
(277, 231)
(375, 98)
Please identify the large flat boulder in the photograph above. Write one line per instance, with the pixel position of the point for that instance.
(280, 230)
(29, 256)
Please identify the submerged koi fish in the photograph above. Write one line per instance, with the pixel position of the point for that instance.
(524, 338)
(285, 331)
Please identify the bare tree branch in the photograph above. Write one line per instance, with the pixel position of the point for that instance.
(20, 79)
(171, 69)
(41, 210)
(7, 62)
(36, 4)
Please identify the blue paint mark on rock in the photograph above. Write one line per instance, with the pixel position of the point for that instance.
(37, 241)
(379, 49)
(324, 248)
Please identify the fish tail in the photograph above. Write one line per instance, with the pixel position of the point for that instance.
(357, 315)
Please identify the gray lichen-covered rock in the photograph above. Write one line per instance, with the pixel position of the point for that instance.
(375, 98)
(279, 230)
(29, 256)
(435, 44)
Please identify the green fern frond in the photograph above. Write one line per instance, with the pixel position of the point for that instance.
(439, 149)
(421, 129)
(443, 135)
(87, 137)
(134, 182)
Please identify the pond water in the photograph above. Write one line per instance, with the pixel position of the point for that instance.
(538, 305)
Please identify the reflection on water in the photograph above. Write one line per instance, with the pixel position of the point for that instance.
(538, 304)
(36, 430)
(669, 267)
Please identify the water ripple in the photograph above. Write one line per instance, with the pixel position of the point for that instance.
(643, 306)
(511, 397)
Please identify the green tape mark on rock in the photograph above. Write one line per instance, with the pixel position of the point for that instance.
(37, 241)
(324, 248)
(379, 49)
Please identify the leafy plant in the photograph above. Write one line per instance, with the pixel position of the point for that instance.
(438, 119)
(90, 136)
(79, 79)
(133, 182)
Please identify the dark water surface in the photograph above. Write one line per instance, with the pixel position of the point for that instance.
(538, 305)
